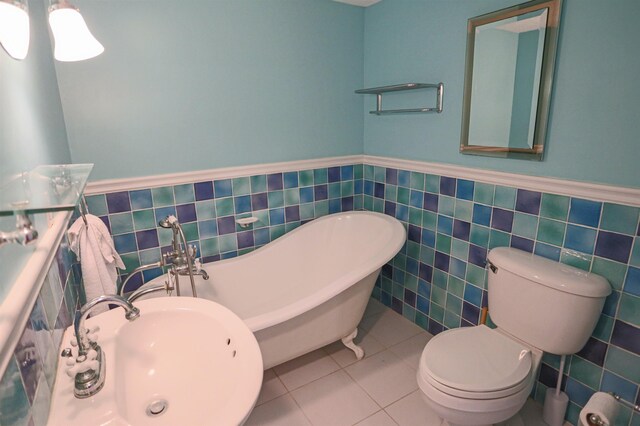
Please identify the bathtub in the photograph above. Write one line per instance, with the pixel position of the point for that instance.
(309, 287)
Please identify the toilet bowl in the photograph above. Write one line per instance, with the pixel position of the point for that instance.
(481, 376)
(476, 375)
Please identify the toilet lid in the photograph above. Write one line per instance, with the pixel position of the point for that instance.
(476, 359)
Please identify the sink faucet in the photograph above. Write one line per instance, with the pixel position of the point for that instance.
(89, 366)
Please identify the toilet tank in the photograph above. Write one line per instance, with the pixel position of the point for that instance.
(552, 306)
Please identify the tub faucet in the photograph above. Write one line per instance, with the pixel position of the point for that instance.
(89, 368)
(181, 261)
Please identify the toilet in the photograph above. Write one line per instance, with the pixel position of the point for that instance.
(481, 376)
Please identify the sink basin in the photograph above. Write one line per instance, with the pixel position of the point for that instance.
(183, 361)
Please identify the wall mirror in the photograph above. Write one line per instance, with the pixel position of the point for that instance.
(508, 78)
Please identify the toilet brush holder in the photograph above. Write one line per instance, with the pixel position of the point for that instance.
(555, 407)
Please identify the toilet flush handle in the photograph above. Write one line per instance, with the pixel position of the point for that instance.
(493, 267)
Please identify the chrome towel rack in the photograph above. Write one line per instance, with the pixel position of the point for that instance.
(378, 91)
(84, 210)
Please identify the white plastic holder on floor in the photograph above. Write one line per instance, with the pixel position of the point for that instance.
(556, 401)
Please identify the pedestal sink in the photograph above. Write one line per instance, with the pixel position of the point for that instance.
(184, 361)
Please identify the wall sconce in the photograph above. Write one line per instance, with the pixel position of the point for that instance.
(14, 28)
(73, 40)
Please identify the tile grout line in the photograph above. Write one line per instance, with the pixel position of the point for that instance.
(326, 375)
(381, 411)
(295, 401)
(353, 380)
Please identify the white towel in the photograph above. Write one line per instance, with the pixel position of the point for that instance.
(97, 255)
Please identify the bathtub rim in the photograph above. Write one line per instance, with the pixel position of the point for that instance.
(316, 298)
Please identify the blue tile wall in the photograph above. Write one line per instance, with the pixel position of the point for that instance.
(208, 210)
(27, 383)
(439, 279)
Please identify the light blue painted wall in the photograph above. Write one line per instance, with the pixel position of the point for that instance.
(195, 85)
(594, 126)
(32, 130)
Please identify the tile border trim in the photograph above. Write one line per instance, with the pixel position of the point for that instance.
(594, 191)
(170, 179)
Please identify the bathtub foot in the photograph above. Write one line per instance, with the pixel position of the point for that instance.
(348, 342)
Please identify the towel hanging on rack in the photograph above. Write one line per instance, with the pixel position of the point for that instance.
(97, 255)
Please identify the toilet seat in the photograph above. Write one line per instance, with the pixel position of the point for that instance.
(475, 363)
(459, 393)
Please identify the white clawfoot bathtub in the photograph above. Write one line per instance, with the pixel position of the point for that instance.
(309, 287)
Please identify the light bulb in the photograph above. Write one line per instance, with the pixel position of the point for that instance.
(73, 40)
(14, 28)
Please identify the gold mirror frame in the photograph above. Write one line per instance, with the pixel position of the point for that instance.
(546, 80)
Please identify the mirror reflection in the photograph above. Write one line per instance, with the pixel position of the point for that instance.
(508, 81)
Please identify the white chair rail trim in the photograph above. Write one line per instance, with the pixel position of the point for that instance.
(593, 191)
(128, 184)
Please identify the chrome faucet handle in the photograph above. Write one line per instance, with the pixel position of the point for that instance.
(199, 270)
(167, 258)
(83, 364)
(170, 283)
(92, 335)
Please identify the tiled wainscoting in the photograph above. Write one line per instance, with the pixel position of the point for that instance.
(207, 211)
(27, 383)
(438, 280)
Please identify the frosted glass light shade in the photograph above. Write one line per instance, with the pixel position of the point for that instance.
(14, 28)
(73, 40)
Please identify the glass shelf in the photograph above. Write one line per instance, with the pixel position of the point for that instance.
(47, 188)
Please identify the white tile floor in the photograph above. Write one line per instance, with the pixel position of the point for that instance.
(328, 387)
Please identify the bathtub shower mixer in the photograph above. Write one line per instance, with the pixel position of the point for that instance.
(181, 260)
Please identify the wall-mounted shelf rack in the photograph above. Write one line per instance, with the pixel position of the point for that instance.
(47, 188)
(378, 91)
